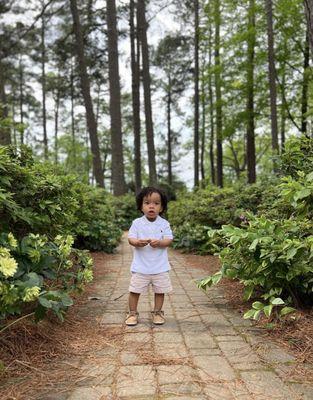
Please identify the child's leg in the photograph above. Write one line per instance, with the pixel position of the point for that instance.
(133, 301)
(158, 301)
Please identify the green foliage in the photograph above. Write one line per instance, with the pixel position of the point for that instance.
(98, 223)
(271, 250)
(125, 209)
(43, 212)
(195, 215)
(40, 274)
(40, 198)
(298, 156)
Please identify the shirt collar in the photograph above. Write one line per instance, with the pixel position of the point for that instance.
(145, 219)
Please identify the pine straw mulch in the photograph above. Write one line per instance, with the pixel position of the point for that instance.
(295, 335)
(48, 354)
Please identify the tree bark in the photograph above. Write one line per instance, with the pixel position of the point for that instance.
(135, 69)
(5, 136)
(250, 94)
(56, 120)
(43, 85)
(142, 26)
(196, 94)
(308, 6)
(21, 87)
(202, 152)
(305, 85)
(272, 77)
(218, 102)
(169, 133)
(85, 85)
(73, 127)
(118, 179)
(212, 163)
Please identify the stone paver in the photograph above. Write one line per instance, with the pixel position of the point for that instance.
(204, 350)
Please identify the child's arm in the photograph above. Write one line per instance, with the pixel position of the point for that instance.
(160, 243)
(138, 242)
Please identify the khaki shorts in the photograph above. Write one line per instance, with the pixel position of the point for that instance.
(161, 283)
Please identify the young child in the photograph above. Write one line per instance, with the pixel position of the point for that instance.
(150, 235)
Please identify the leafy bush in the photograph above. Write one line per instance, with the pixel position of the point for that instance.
(42, 212)
(197, 213)
(298, 156)
(98, 225)
(125, 209)
(273, 255)
(40, 273)
(39, 198)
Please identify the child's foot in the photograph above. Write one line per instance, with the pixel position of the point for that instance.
(158, 317)
(132, 318)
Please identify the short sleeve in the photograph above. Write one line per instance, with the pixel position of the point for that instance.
(167, 232)
(133, 231)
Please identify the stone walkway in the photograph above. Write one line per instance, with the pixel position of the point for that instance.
(204, 351)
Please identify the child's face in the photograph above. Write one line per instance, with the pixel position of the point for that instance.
(152, 206)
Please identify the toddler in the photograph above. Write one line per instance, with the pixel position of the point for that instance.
(150, 235)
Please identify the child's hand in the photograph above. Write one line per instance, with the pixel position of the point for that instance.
(142, 242)
(155, 243)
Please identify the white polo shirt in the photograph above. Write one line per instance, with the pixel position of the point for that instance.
(149, 260)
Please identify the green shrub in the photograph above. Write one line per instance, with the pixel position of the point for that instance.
(98, 227)
(40, 273)
(125, 209)
(273, 255)
(39, 198)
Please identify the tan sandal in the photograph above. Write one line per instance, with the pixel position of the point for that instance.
(132, 318)
(158, 317)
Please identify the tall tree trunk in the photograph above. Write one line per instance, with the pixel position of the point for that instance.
(14, 120)
(202, 152)
(56, 120)
(272, 77)
(250, 94)
(283, 108)
(211, 103)
(169, 133)
(196, 94)
(308, 6)
(142, 26)
(118, 179)
(305, 85)
(219, 127)
(43, 85)
(21, 87)
(135, 69)
(73, 127)
(85, 85)
(5, 136)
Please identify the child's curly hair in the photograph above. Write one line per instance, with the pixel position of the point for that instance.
(147, 191)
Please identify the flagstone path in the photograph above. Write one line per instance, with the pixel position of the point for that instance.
(204, 351)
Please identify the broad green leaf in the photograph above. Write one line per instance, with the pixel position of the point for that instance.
(268, 310)
(286, 310)
(44, 302)
(277, 301)
(248, 292)
(302, 194)
(291, 253)
(254, 244)
(249, 314)
(257, 314)
(257, 305)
